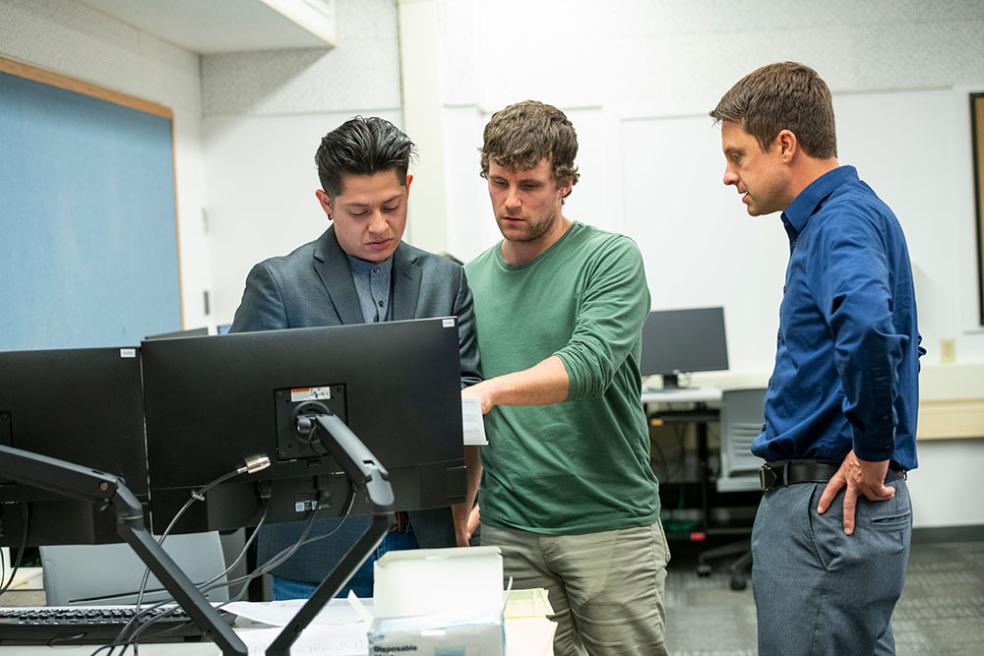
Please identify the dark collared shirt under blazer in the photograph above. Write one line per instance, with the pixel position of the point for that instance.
(313, 286)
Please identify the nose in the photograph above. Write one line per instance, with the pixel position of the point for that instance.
(512, 201)
(730, 177)
(377, 222)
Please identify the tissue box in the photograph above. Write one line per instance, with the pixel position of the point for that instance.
(438, 602)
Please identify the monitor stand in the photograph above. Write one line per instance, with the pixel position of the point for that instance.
(78, 482)
(367, 475)
(671, 382)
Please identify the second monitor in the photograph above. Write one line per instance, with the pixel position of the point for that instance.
(683, 341)
(212, 401)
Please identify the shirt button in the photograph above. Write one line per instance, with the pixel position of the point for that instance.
(375, 269)
(380, 304)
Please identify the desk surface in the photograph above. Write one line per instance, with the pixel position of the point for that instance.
(682, 395)
(525, 636)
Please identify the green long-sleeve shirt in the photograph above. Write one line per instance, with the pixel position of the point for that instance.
(579, 466)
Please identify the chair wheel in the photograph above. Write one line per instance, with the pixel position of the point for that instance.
(738, 583)
(703, 569)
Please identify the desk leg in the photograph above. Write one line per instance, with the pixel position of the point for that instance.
(703, 472)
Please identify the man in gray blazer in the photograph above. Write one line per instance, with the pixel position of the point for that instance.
(360, 271)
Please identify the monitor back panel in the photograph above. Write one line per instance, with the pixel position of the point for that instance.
(80, 405)
(212, 401)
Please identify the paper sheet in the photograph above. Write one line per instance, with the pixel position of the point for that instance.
(472, 422)
(338, 612)
(316, 640)
(527, 603)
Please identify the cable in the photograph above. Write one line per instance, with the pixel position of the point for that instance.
(25, 517)
(271, 563)
(275, 561)
(252, 464)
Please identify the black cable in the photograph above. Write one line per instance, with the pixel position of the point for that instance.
(25, 518)
(272, 563)
(278, 559)
(196, 495)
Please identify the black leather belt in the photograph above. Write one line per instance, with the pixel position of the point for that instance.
(790, 472)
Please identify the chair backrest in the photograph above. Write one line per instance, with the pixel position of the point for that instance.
(741, 422)
(110, 574)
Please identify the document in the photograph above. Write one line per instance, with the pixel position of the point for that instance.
(522, 604)
(338, 612)
(315, 641)
(472, 422)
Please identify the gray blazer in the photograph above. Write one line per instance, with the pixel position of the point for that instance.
(313, 286)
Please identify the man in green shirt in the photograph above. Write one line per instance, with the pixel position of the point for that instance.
(567, 490)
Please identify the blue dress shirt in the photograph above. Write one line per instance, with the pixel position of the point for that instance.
(847, 361)
(372, 284)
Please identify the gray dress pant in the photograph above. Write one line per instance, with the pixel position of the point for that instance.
(819, 591)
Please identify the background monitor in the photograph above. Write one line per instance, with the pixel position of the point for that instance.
(683, 341)
(80, 405)
(213, 401)
(190, 332)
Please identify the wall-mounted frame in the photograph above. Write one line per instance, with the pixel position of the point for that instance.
(977, 136)
(89, 244)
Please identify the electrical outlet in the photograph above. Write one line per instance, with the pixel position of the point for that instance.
(948, 351)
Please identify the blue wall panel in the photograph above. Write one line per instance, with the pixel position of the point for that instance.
(88, 243)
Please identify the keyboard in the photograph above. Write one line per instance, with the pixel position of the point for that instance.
(92, 625)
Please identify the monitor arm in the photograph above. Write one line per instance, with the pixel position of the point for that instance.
(102, 489)
(367, 475)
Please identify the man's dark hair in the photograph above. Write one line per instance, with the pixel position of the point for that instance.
(783, 96)
(362, 146)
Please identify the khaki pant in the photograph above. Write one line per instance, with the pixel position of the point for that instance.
(606, 588)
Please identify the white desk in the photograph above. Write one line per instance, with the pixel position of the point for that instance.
(682, 395)
(307, 646)
(522, 639)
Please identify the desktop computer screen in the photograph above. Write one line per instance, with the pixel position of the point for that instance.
(80, 405)
(683, 341)
(213, 401)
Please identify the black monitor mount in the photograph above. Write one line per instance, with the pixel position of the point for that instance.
(367, 475)
(106, 490)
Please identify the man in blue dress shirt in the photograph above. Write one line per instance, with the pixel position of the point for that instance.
(831, 537)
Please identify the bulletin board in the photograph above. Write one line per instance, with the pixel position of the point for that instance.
(88, 214)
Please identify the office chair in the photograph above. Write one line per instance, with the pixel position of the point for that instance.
(110, 574)
(741, 422)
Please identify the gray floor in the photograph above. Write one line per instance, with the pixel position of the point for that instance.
(941, 611)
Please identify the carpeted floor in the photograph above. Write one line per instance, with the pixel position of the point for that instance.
(941, 611)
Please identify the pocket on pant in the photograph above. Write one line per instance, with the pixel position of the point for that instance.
(890, 522)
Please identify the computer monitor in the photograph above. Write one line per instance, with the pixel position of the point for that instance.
(190, 332)
(213, 401)
(683, 341)
(80, 405)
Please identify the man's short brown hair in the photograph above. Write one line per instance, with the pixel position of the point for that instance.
(521, 135)
(783, 96)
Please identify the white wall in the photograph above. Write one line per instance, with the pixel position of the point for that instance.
(77, 41)
(264, 116)
(637, 78)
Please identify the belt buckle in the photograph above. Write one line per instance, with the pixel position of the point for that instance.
(767, 478)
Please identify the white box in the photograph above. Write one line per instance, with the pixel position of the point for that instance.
(438, 602)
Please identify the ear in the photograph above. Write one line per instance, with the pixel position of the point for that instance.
(409, 180)
(788, 145)
(325, 202)
(565, 188)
